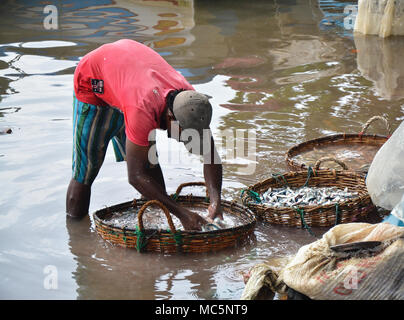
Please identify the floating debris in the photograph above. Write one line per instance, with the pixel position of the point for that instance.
(305, 196)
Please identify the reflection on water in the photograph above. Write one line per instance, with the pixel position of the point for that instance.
(273, 68)
(380, 61)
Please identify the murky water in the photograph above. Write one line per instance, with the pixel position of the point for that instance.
(277, 69)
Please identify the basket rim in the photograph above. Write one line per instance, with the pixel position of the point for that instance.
(342, 136)
(184, 199)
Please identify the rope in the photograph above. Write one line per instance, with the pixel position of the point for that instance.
(140, 240)
(337, 216)
(124, 235)
(309, 175)
(254, 195)
(373, 119)
(304, 224)
(178, 239)
(277, 175)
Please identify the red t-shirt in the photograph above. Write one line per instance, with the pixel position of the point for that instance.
(131, 77)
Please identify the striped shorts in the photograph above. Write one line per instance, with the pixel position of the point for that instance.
(93, 128)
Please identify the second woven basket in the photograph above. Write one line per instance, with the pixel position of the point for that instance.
(313, 215)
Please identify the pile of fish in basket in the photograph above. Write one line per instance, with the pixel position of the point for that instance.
(306, 197)
(316, 197)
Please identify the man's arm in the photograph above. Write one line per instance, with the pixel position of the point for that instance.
(213, 172)
(141, 179)
(155, 170)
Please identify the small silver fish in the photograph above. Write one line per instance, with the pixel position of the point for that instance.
(287, 197)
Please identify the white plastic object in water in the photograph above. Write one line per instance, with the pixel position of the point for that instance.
(398, 210)
(380, 17)
(385, 178)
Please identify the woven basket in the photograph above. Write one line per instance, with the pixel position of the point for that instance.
(357, 140)
(172, 240)
(309, 215)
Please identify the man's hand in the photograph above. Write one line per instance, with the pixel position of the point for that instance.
(191, 220)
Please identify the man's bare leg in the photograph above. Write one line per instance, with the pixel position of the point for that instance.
(77, 199)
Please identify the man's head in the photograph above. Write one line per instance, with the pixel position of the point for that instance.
(193, 111)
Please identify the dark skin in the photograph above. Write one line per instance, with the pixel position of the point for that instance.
(149, 181)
